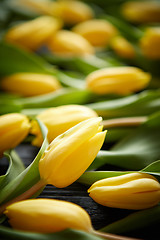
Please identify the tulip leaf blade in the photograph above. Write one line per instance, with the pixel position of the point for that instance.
(10, 234)
(134, 221)
(153, 168)
(127, 30)
(28, 177)
(18, 60)
(15, 167)
(60, 97)
(88, 178)
(141, 104)
(134, 152)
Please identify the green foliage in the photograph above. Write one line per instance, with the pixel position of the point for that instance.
(68, 234)
(26, 178)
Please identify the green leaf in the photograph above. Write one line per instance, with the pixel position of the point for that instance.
(84, 65)
(134, 221)
(153, 168)
(18, 60)
(116, 134)
(8, 104)
(28, 177)
(142, 104)
(16, 166)
(69, 81)
(60, 97)
(134, 152)
(153, 120)
(88, 178)
(9, 234)
(127, 30)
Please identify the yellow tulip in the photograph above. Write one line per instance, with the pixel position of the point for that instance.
(47, 216)
(97, 31)
(142, 11)
(150, 43)
(50, 216)
(30, 84)
(118, 80)
(72, 12)
(14, 127)
(34, 33)
(129, 191)
(60, 119)
(71, 153)
(67, 43)
(122, 47)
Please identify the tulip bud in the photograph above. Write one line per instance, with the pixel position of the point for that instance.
(60, 119)
(34, 33)
(150, 43)
(122, 47)
(97, 31)
(72, 12)
(29, 84)
(71, 153)
(141, 11)
(67, 43)
(14, 127)
(129, 191)
(47, 216)
(118, 80)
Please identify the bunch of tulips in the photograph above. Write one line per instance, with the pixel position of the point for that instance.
(85, 74)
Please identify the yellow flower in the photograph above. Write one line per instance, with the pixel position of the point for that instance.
(97, 31)
(30, 84)
(122, 47)
(60, 119)
(34, 33)
(72, 12)
(71, 153)
(67, 43)
(142, 11)
(47, 216)
(118, 80)
(150, 43)
(14, 127)
(129, 191)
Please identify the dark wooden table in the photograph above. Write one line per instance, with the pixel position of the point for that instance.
(77, 193)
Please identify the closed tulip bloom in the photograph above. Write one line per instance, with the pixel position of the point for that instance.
(129, 191)
(14, 127)
(97, 31)
(67, 43)
(142, 11)
(150, 43)
(30, 84)
(34, 33)
(72, 12)
(117, 80)
(47, 216)
(71, 153)
(60, 119)
(122, 47)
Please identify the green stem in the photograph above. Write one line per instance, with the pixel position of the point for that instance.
(123, 122)
(110, 236)
(29, 193)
